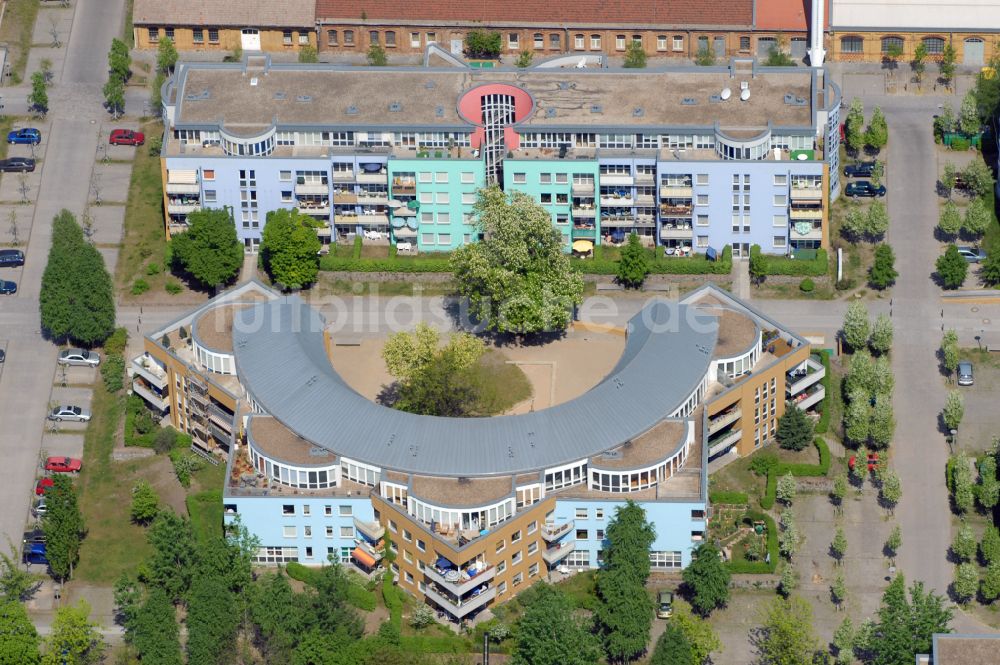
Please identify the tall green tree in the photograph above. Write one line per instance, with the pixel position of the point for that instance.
(977, 177)
(698, 632)
(988, 492)
(327, 605)
(949, 351)
(38, 98)
(989, 272)
(964, 544)
(946, 65)
(857, 325)
(376, 56)
(855, 126)
(172, 565)
(989, 548)
(966, 582)
(707, 580)
(877, 133)
(212, 619)
(549, 633)
(633, 266)
(950, 221)
(877, 221)
(114, 97)
(625, 613)
(990, 587)
(16, 583)
(892, 490)
(209, 250)
(635, 55)
(119, 60)
(276, 615)
(795, 429)
(63, 526)
(672, 648)
(951, 268)
(483, 44)
(290, 248)
(892, 54)
(517, 279)
(962, 487)
(18, 637)
(75, 639)
(166, 56)
(882, 333)
(883, 423)
(954, 410)
(918, 64)
(904, 625)
(968, 115)
(883, 272)
(154, 633)
(977, 218)
(838, 548)
(786, 636)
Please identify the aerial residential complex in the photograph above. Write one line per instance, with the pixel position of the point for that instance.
(477, 509)
(688, 158)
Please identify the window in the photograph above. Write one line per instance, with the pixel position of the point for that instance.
(213, 36)
(415, 39)
(678, 43)
(348, 38)
(154, 34)
(441, 177)
(407, 536)
(328, 511)
(285, 176)
(599, 535)
(697, 514)
(307, 532)
(533, 569)
(432, 38)
(468, 198)
(779, 221)
(578, 41)
(516, 536)
(744, 42)
(347, 532)
(288, 531)
(467, 177)
(392, 526)
(664, 560)
(390, 38)
(444, 218)
(442, 197)
(562, 179)
(303, 39)
(513, 41)
(780, 200)
(426, 197)
(373, 36)
(702, 241)
(286, 37)
(562, 198)
(421, 545)
(620, 42)
(306, 510)
(409, 577)
(516, 559)
(851, 44)
(427, 238)
(546, 198)
(331, 37)
(637, 39)
(329, 532)
(539, 40)
(502, 587)
(425, 176)
(501, 567)
(517, 579)
(780, 242)
(288, 509)
(407, 557)
(891, 42)
(702, 220)
(703, 199)
(533, 547)
(209, 196)
(427, 217)
(545, 178)
(501, 546)
(701, 179)
(598, 513)
(935, 45)
(582, 534)
(346, 511)
(595, 41)
(554, 41)
(781, 179)
(169, 33)
(520, 178)
(581, 513)
(309, 552)
(198, 36)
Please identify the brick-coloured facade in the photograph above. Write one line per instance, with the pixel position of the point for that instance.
(209, 38)
(858, 46)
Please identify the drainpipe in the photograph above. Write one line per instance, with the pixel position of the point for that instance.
(816, 52)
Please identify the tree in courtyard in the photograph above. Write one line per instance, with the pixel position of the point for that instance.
(788, 581)
(776, 57)
(855, 128)
(706, 580)
(950, 221)
(38, 98)
(758, 266)
(946, 65)
(918, 64)
(877, 133)
(483, 44)
(209, 250)
(905, 626)
(843, 641)
(977, 178)
(698, 632)
(949, 351)
(672, 648)
(945, 123)
(517, 279)
(881, 336)
(635, 55)
(154, 632)
(838, 548)
(171, 567)
(891, 490)
(839, 492)
(524, 59)
(166, 56)
(988, 490)
(989, 271)
(633, 266)
(786, 636)
(789, 538)
(954, 409)
(624, 613)
(289, 248)
(966, 582)
(857, 422)
(838, 590)
(949, 177)
(308, 54)
(892, 53)
(550, 634)
(883, 423)
(877, 222)
(406, 353)
(145, 502)
(114, 97)
(964, 545)
(883, 272)
(212, 619)
(962, 487)
(856, 326)
(855, 222)
(990, 587)
(893, 542)
(18, 637)
(977, 218)
(785, 491)
(989, 548)
(795, 429)
(75, 639)
(119, 60)
(276, 615)
(951, 268)
(968, 115)
(63, 526)
(376, 56)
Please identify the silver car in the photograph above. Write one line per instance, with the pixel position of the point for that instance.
(79, 357)
(965, 377)
(972, 254)
(40, 508)
(68, 412)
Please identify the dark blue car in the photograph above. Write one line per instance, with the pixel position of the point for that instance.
(26, 136)
(35, 553)
(7, 288)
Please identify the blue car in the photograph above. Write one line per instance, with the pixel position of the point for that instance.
(26, 136)
(35, 553)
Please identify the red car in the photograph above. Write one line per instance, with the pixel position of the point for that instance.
(872, 461)
(43, 485)
(126, 137)
(63, 464)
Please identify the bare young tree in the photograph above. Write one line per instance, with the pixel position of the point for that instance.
(54, 31)
(23, 187)
(14, 238)
(88, 226)
(95, 187)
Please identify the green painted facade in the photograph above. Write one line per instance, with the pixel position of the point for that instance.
(551, 183)
(444, 191)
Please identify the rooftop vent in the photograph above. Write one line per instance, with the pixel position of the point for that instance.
(745, 95)
(392, 437)
(254, 81)
(305, 99)
(596, 108)
(689, 101)
(395, 107)
(715, 99)
(352, 110)
(638, 112)
(550, 113)
(612, 454)
(316, 451)
(280, 96)
(439, 112)
(792, 100)
(196, 96)
(564, 85)
(430, 85)
(725, 94)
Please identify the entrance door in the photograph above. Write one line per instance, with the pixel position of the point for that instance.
(250, 39)
(973, 49)
(720, 46)
(798, 48)
(456, 47)
(764, 46)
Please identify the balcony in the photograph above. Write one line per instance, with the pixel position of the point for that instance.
(403, 211)
(619, 221)
(404, 187)
(676, 192)
(641, 177)
(314, 207)
(675, 232)
(557, 553)
(804, 376)
(183, 188)
(182, 208)
(220, 417)
(312, 188)
(806, 213)
(219, 435)
(461, 608)
(720, 421)
(583, 188)
(343, 176)
(669, 210)
(345, 197)
(373, 178)
(645, 200)
(460, 584)
(722, 443)
(372, 219)
(810, 398)
(806, 193)
(616, 179)
(585, 232)
(160, 403)
(587, 213)
(374, 552)
(552, 532)
(150, 370)
(373, 199)
(372, 530)
(345, 219)
(619, 201)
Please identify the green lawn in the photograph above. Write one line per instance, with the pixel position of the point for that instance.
(145, 240)
(737, 477)
(18, 24)
(205, 510)
(503, 385)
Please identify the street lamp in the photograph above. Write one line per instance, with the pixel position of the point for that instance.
(979, 341)
(952, 439)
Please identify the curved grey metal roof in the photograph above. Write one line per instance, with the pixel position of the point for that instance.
(281, 360)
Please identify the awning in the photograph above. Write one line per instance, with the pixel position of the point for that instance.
(444, 563)
(582, 245)
(364, 558)
(182, 177)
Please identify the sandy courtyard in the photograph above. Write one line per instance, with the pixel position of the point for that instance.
(558, 371)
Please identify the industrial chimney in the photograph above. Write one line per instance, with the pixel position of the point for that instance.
(816, 52)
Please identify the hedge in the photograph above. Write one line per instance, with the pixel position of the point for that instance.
(783, 265)
(662, 265)
(760, 567)
(394, 264)
(299, 572)
(728, 498)
(801, 470)
(823, 426)
(767, 501)
(434, 644)
(357, 595)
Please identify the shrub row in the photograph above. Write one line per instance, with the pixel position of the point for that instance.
(801, 470)
(730, 498)
(823, 426)
(301, 573)
(782, 265)
(395, 264)
(424, 644)
(360, 597)
(390, 595)
(760, 567)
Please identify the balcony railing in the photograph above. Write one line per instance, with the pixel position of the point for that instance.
(588, 232)
(160, 403)
(374, 178)
(374, 552)
(678, 232)
(801, 379)
(668, 210)
(183, 188)
(676, 191)
(462, 585)
(558, 552)
(552, 532)
(807, 193)
(720, 421)
(621, 201)
(584, 212)
(343, 176)
(806, 213)
(372, 530)
(722, 443)
(616, 179)
(810, 398)
(222, 418)
(461, 608)
(182, 208)
(150, 370)
(312, 188)
(404, 188)
(582, 188)
(645, 177)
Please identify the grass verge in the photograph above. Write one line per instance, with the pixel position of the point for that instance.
(144, 241)
(205, 511)
(18, 24)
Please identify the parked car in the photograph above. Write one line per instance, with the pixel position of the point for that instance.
(63, 464)
(11, 258)
(3, 356)
(972, 254)
(17, 165)
(126, 137)
(40, 508)
(859, 170)
(965, 377)
(36, 535)
(26, 136)
(7, 288)
(43, 485)
(79, 357)
(34, 553)
(864, 188)
(664, 605)
(69, 412)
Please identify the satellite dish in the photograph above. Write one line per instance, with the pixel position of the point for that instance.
(745, 95)
(726, 94)
(582, 64)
